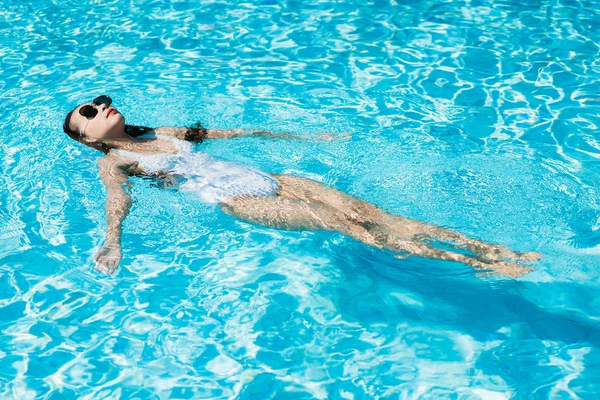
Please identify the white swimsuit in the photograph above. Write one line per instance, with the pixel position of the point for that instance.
(211, 179)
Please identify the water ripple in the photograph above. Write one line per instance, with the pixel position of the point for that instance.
(477, 116)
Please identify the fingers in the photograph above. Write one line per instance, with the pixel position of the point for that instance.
(99, 254)
(107, 259)
(101, 266)
(335, 136)
(99, 262)
(107, 265)
(113, 267)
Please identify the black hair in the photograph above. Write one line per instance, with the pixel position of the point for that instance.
(136, 130)
(131, 130)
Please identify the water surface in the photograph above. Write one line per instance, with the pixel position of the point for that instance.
(475, 115)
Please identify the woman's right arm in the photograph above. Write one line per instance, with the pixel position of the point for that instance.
(113, 172)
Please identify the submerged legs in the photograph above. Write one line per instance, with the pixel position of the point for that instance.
(292, 214)
(303, 204)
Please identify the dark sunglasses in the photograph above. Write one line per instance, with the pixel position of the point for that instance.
(89, 111)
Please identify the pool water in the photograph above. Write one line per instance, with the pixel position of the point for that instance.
(478, 116)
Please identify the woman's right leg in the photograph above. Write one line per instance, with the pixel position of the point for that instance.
(389, 228)
(292, 214)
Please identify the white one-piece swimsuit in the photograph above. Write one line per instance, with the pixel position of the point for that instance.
(211, 179)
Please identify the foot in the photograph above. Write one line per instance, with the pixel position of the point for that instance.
(501, 253)
(507, 268)
(402, 256)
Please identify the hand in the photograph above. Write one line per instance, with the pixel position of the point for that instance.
(108, 258)
(335, 136)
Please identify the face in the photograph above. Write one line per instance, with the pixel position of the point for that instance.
(107, 124)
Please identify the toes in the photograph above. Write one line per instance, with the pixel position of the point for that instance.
(510, 269)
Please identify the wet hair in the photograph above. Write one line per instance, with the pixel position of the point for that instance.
(131, 130)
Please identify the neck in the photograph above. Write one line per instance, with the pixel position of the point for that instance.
(124, 143)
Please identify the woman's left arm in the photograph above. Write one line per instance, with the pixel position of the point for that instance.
(198, 134)
(189, 134)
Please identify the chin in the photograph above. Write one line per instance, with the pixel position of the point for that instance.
(119, 122)
(116, 128)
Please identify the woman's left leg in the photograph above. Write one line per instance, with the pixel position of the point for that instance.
(292, 214)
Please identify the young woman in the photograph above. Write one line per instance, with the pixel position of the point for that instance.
(277, 201)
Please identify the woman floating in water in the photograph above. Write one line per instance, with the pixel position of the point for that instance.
(277, 201)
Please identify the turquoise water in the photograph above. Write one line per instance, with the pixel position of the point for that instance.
(475, 115)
